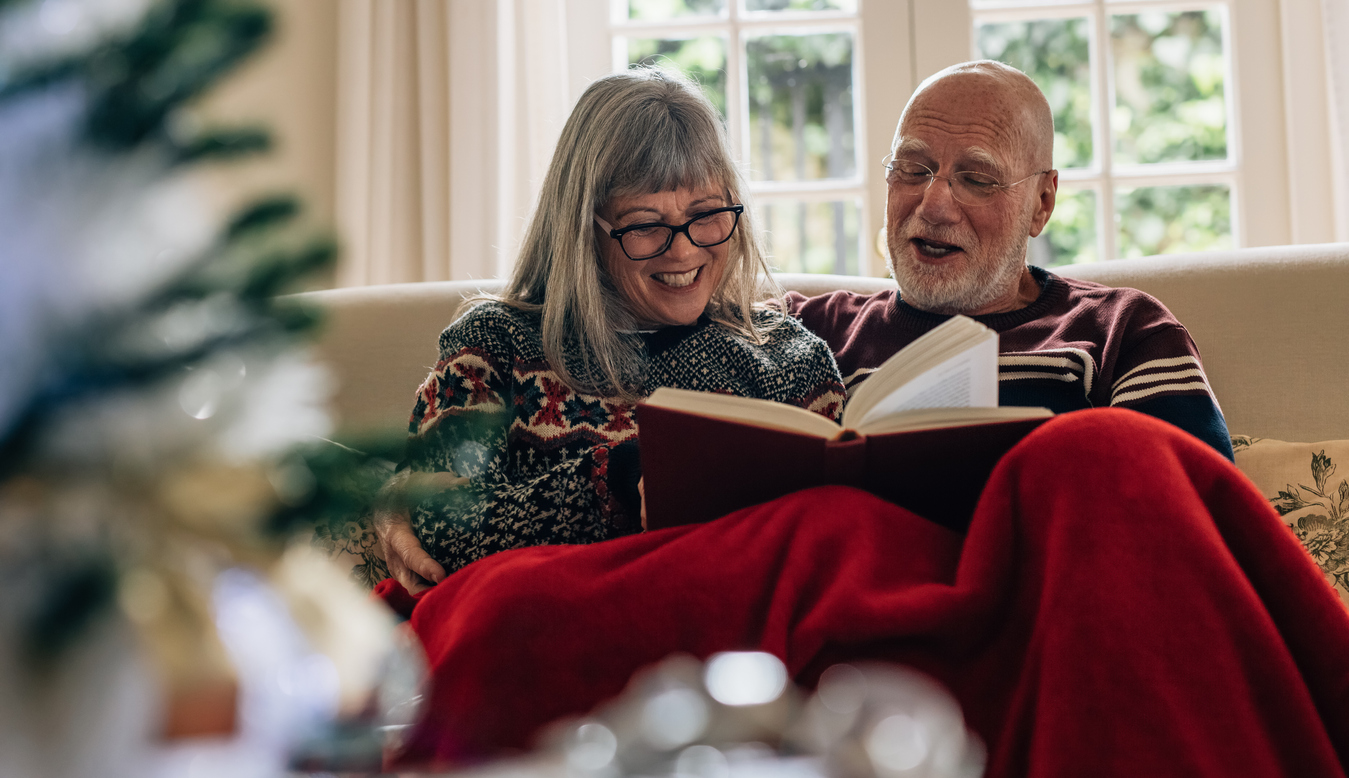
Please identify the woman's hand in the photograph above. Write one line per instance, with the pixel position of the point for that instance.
(407, 561)
(642, 493)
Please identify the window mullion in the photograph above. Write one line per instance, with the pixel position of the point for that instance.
(1102, 67)
(737, 85)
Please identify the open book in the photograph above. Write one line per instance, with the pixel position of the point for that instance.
(924, 431)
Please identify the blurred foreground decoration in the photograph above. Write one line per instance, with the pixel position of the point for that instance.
(161, 422)
(739, 716)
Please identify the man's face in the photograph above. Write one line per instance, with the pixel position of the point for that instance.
(953, 257)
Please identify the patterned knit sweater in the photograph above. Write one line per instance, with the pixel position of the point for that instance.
(540, 456)
(1078, 345)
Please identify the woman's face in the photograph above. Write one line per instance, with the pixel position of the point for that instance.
(671, 288)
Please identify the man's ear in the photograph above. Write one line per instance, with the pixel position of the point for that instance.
(1044, 202)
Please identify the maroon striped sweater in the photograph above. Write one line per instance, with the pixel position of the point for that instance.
(1079, 345)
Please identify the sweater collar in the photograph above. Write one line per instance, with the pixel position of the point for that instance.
(666, 338)
(1052, 291)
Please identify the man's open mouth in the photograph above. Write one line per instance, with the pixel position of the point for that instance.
(678, 280)
(934, 248)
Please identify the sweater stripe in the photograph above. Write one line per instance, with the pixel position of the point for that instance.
(1163, 389)
(1152, 378)
(1076, 360)
(1067, 378)
(1159, 363)
(856, 377)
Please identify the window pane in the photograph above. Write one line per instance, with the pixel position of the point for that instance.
(1056, 54)
(801, 107)
(1169, 90)
(1173, 219)
(1070, 236)
(702, 58)
(659, 10)
(982, 4)
(811, 237)
(801, 5)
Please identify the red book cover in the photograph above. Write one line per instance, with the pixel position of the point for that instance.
(696, 468)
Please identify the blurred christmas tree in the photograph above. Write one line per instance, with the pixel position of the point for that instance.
(158, 410)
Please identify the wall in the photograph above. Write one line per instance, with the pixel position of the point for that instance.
(291, 87)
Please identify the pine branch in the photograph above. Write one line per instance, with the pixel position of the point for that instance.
(184, 48)
(218, 145)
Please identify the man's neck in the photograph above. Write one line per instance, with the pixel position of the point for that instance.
(1026, 292)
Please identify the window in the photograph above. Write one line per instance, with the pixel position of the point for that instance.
(811, 146)
(1172, 115)
(1146, 127)
(783, 73)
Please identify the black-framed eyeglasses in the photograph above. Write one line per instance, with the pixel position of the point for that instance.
(651, 239)
(968, 187)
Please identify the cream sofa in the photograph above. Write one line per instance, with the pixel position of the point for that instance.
(1272, 325)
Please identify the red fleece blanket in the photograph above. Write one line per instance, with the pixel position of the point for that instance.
(1124, 603)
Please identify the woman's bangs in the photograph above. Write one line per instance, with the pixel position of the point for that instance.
(669, 157)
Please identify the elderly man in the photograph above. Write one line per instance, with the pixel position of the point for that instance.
(970, 181)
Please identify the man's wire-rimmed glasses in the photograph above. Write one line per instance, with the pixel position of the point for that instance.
(651, 239)
(968, 187)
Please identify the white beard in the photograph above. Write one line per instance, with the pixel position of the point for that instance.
(981, 281)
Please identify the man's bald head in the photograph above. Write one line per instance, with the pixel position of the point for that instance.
(957, 242)
(1012, 100)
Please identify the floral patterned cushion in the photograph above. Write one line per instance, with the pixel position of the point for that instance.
(1298, 479)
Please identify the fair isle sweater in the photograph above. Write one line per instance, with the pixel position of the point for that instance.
(540, 456)
(1078, 345)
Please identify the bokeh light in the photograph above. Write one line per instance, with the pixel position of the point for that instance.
(745, 678)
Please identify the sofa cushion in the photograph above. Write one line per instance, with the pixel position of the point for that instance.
(1269, 323)
(1299, 480)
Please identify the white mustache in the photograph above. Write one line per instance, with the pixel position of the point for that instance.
(938, 234)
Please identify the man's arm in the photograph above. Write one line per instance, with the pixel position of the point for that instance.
(1163, 377)
(1196, 414)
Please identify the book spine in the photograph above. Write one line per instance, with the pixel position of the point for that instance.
(845, 459)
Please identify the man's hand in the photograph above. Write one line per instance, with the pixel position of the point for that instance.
(407, 561)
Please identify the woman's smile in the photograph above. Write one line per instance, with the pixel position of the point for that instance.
(680, 281)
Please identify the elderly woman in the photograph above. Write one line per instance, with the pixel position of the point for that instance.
(639, 269)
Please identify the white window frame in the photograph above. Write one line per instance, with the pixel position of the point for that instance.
(886, 59)
(1256, 169)
(1278, 95)
(736, 28)
(1103, 176)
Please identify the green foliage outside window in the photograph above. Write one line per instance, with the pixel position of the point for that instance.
(801, 5)
(702, 59)
(659, 10)
(1169, 90)
(1170, 106)
(800, 106)
(1070, 236)
(801, 126)
(1173, 219)
(1055, 53)
(819, 237)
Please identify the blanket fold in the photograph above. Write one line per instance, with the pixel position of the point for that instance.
(1124, 603)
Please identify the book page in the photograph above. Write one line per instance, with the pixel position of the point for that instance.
(745, 410)
(952, 337)
(941, 418)
(969, 379)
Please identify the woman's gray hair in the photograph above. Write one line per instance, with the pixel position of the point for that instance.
(641, 131)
